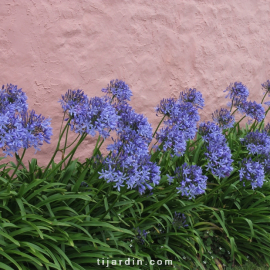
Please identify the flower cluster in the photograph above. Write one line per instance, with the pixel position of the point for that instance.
(18, 127)
(193, 96)
(252, 109)
(179, 220)
(89, 115)
(237, 90)
(38, 130)
(190, 180)
(218, 152)
(257, 142)
(252, 171)
(223, 118)
(179, 126)
(73, 100)
(118, 89)
(129, 162)
(12, 99)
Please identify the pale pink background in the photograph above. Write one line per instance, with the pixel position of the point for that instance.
(158, 47)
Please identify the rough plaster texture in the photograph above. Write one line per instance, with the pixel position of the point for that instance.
(158, 47)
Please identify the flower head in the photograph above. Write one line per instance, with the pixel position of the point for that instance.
(37, 130)
(180, 125)
(89, 115)
(12, 99)
(223, 118)
(73, 99)
(252, 171)
(129, 163)
(166, 106)
(217, 152)
(252, 109)
(237, 90)
(191, 181)
(193, 96)
(257, 142)
(118, 89)
(19, 128)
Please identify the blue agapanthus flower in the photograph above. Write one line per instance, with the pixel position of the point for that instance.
(73, 100)
(12, 99)
(223, 118)
(37, 130)
(179, 126)
(252, 109)
(252, 171)
(119, 90)
(18, 128)
(257, 142)
(191, 181)
(12, 133)
(89, 115)
(129, 162)
(166, 106)
(192, 96)
(237, 90)
(217, 152)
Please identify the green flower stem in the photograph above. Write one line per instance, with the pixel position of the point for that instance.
(19, 163)
(195, 142)
(232, 104)
(70, 154)
(172, 193)
(215, 189)
(158, 126)
(264, 97)
(57, 147)
(234, 111)
(75, 148)
(71, 143)
(232, 129)
(115, 201)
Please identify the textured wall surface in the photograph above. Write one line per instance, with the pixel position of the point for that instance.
(158, 47)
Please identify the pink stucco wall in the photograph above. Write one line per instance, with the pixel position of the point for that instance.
(158, 47)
